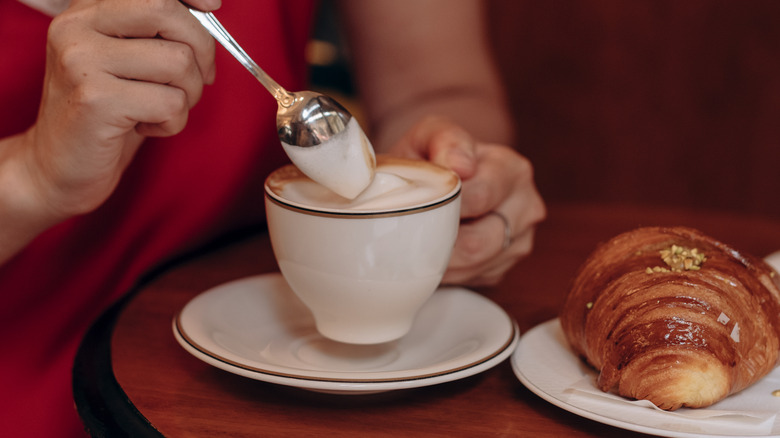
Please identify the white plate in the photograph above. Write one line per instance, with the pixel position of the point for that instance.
(256, 327)
(774, 260)
(545, 364)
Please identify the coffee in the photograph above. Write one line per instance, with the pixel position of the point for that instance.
(398, 184)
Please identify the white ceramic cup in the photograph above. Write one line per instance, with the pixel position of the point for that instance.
(365, 267)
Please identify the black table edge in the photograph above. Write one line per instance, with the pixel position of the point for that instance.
(104, 408)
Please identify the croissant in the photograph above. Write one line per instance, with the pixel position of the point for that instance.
(673, 316)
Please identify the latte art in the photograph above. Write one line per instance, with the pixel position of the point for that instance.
(398, 184)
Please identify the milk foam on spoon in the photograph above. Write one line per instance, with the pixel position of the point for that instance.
(345, 165)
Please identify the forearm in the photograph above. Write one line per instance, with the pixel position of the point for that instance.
(425, 57)
(482, 116)
(23, 214)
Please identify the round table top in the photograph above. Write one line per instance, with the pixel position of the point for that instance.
(136, 380)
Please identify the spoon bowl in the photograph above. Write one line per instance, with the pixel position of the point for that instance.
(304, 118)
(311, 119)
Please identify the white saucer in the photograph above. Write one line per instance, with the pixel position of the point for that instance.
(545, 364)
(256, 327)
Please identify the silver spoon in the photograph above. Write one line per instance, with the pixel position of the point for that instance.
(316, 132)
(304, 118)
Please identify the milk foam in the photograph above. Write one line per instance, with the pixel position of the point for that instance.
(345, 164)
(397, 184)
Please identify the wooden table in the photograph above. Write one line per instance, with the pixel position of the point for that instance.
(135, 380)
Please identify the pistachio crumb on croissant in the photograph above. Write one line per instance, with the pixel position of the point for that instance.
(673, 316)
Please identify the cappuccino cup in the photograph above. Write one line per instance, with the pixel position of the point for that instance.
(365, 266)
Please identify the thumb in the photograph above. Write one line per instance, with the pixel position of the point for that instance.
(449, 145)
(457, 153)
(204, 5)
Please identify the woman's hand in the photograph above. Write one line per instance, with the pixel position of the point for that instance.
(500, 205)
(413, 60)
(117, 71)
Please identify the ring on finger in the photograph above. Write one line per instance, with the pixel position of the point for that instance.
(507, 229)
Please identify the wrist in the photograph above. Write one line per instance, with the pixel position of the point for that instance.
(24, 212)
(57, 185)
(485, 119)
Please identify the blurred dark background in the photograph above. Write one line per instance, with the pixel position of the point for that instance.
(663, 102)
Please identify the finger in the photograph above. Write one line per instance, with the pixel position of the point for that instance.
(161, 111)
(155, 60)
(204, 5)
(124, 104)
(442, 142)
(165, 19)
(483, 275)
(481, 242)
(478, 241)
(492, 270)
(492, 183)
(454, 149)
(503, 184)
(490, 276)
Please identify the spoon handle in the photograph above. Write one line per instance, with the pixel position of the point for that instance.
(215, 28)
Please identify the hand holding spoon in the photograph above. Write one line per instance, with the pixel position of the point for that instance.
(319, 135)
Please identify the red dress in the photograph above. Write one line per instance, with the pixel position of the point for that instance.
(178, 193)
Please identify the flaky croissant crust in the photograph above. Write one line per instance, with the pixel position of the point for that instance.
(674, 337)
